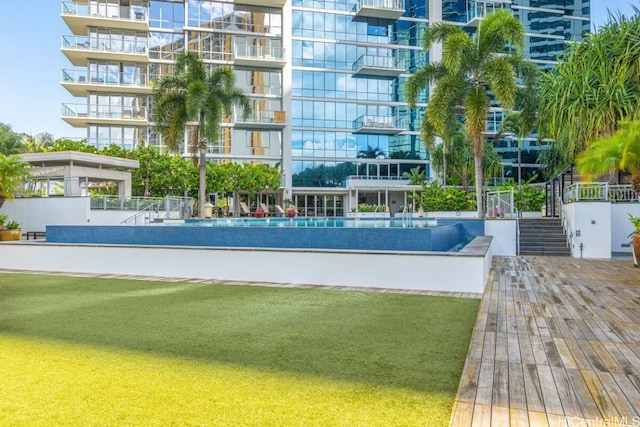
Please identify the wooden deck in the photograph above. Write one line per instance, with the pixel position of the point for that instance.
(556, 343)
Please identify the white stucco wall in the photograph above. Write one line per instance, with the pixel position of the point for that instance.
(621, 227)
(601, 227)
(453, 272)
(503, 232)
(34, 214)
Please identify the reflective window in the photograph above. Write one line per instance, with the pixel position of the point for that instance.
(166, 14)
(230, 17)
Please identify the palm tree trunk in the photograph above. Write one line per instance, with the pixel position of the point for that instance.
(478, 170)
(444, 166)
(203, 177)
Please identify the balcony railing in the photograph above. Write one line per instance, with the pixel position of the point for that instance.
(250, 54)
(106, 112)
(385, 9)
(599, 192)
(119, 10)
(258, 118)
(379, 66)
(115, 43)
(85, 77)
(387, 125)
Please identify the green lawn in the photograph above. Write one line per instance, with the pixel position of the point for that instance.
(86, 351)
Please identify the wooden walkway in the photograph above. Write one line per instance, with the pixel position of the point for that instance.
(556, 343)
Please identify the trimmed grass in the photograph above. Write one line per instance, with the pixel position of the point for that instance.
(86, 351)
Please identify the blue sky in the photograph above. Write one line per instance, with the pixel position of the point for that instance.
(31, 66)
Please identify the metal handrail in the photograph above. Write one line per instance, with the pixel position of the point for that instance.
(153, 210)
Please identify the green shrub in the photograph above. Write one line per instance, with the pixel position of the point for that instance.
(435, 198)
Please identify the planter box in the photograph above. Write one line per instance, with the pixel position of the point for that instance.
(10, 235)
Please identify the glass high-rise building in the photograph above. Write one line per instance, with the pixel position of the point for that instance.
(325, 79)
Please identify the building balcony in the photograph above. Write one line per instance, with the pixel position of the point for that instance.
(266, 3)
(80, 81)
(385, 9)
(381, 125)
(116, 48)
(259, 56)
(382, 66)
(80, 16)
(479, 9)
(81, 115)
(261, 119)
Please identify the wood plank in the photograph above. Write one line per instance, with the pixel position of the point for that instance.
(583, 395)
(501, 347)
(609, 362)
(553, 356)
(469, 381)
(630, 390)
(568, 398)
(555, 420)
(538, 419)
(565, 354)
(484, 393)
(499, 416)
(550, 395)
(500, 384)
(518, 418)
(617, 396)
(517, 395)
(575, 347)
(605, 404)
(481, 416)
(462, 414)
(513, 348)
(533, 391)
(632, 364)
(539, 352)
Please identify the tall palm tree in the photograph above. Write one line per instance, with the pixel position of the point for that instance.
(195, 101)
(471, 67)
(619, 151)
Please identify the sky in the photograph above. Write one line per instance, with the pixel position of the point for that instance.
(31, 63)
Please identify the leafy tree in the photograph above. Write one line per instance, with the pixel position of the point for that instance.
(619, 151)
(416, 175)
(255, 178)
(192, 95)
(595, 86)
(37, 144)
(13, 171)
(72, 145)
(471, 67)
(10, 142)
(460, 158)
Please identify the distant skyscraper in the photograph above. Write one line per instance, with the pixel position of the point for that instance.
(325, 79)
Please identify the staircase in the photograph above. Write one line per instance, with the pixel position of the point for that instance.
(543, 236)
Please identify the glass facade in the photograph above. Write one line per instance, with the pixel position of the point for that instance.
(325, 79)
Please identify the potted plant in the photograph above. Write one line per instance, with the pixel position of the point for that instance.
(289, 210)
(635, 243)
(11, 231)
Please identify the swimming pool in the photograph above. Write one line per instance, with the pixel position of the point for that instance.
(309, 222)
(307, 233)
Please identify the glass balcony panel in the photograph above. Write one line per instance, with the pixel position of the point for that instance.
(384, 9)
